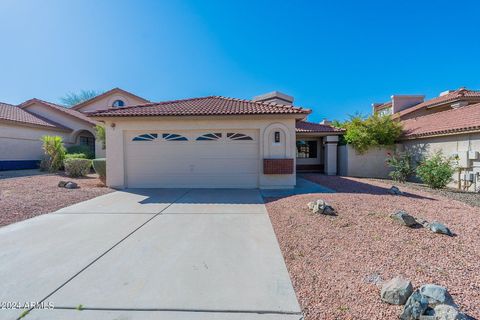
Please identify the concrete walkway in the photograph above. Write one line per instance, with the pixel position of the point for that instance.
(149, 254)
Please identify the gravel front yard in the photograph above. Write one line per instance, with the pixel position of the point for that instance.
(23, 197)
(337, 263)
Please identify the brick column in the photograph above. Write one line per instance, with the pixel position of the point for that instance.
(331, 155)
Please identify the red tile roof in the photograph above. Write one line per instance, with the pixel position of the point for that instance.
(446, 122)
(207, 106)
(459, 94)
(310, 127)
(13, 113)
(68, 111)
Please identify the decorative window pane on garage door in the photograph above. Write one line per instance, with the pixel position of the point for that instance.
(146, 137)
(209, 137)
(173, 137)
(238, 136)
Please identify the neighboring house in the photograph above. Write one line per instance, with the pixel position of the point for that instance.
(215, 142)
(449, 123)
(22, 126)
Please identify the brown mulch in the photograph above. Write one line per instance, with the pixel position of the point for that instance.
(337, 264)
(24, 197)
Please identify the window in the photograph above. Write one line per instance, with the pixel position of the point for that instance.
(118, 103)
(209, 137)
(238, 136)
(87, 141)
(307, 148)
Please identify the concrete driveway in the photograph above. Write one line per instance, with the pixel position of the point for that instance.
(149, 254)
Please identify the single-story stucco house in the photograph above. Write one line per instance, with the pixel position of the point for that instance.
(200, 142)
(22, 126)
(215, 142)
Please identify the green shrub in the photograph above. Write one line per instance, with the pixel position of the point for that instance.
(100, 166)
(76, 156)
(77, 167)
(81, 149)
(363, 133)
(436, 171)
(54, 153)
(402, 166)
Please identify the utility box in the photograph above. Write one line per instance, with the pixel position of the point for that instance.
(472, 155)
(463, 159)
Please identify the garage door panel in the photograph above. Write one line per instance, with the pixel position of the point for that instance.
(192, 163)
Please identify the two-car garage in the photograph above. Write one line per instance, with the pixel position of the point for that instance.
(192, 158)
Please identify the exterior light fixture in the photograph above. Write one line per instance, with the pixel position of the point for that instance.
(277, 136)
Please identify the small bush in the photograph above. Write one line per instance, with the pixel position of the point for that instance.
(100, 166)
(402, 166)
(76, 156)
(77, 167)
(54, 153)
(436, 171)
(81, 149)
(100, 133)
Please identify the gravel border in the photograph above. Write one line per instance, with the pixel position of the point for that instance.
(338, 263)
(24, 195)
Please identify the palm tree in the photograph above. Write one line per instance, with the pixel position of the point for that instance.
(72, 98)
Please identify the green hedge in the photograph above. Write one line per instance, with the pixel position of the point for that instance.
(81, 149)
(77, 167)
(76, 156)
(100, 166)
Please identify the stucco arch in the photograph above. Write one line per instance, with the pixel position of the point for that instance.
(283, 149)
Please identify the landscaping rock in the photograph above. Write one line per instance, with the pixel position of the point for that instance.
(422, 222)
(71, 185)
(436, 295)
(320, 206)
(62, 183)
(423, 304)
(396, 291)
(438, 227)
(415, 307)
(395, 191)
(404, 218)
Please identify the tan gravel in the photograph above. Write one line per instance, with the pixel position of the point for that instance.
(337, 263)
(23, 197)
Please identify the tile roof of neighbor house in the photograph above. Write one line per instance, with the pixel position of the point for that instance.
(63, 109)
(206, 106)
(310, 127)
(13, 113)
(462, 119)
(106, 93)
(456, 95)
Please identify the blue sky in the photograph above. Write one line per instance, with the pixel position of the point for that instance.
(336, 57)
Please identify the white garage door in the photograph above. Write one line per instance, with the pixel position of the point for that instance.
(202, 159)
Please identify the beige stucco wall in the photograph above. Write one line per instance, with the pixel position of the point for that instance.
(265, 125)
(448, 145)
(106, 102)
(370, 164)
(20, 142)
(62, 118)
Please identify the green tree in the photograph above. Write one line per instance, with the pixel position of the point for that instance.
(73, 98)
(366, 132)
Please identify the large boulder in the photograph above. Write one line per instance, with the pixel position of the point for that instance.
(415, 307)
(438, 227)
(422, 303)
(436, 295)
(396, 291)
(404, 218)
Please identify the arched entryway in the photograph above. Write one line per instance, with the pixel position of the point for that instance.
(86, 138)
